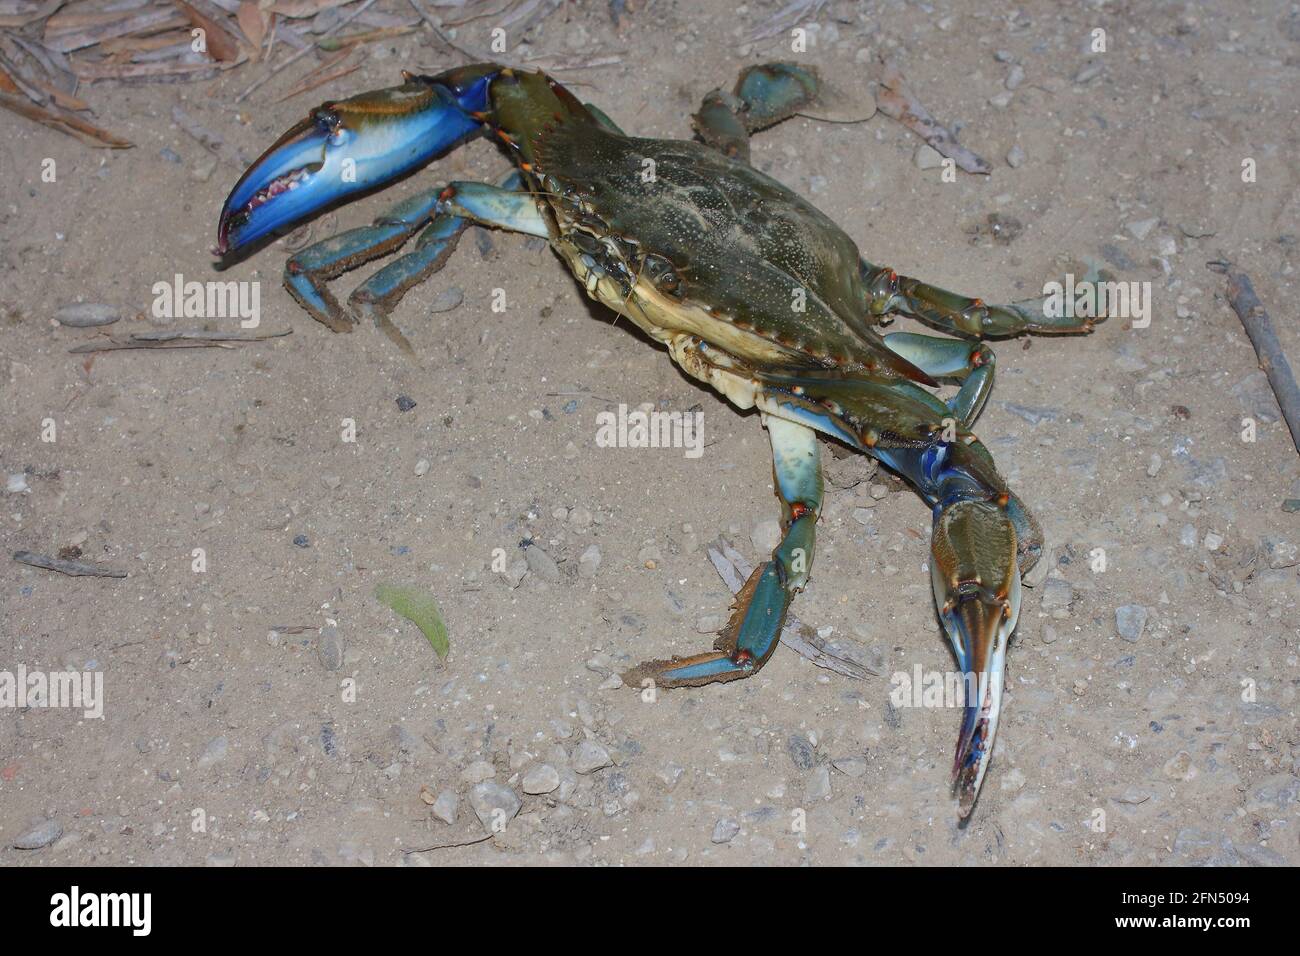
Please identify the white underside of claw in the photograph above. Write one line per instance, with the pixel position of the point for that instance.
(991, 704)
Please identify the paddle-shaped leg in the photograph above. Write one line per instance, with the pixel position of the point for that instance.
(750, 637)
(766, 94)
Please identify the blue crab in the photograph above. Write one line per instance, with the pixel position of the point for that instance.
(750, 289)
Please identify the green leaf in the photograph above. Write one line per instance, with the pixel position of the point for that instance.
(419, 608)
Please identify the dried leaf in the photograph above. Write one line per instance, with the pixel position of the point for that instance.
(331, 69)
(144, 71)
(32, 13)
(253, 22)
(331, 44)
(64, 122)
(898, 102)
(221, 45)
(152, 21)
(299, 9)
(420, 609)
(791, 15)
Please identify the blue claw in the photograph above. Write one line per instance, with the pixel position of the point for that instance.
(350, 146)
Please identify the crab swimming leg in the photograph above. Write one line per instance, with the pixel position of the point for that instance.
(766, 94)
(754, 630)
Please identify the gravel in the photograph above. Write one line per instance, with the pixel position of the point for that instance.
(590, 757)
(542, 778)
(39, 836)
(495, 805)
(1130, 621)
(86, 315)
(725, 830)
(542, 564)
(329, 648)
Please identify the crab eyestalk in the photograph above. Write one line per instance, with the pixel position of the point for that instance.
(350, 146)
(976, 584)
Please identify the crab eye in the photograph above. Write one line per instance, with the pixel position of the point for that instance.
(663, 275)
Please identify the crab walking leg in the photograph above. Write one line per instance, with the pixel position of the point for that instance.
(751, 635)
(451, 211)
(888, 292)
(307, 271)
(951, 359)
(458, 205)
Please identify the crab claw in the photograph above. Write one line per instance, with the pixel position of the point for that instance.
(349, 146)
(976, 585)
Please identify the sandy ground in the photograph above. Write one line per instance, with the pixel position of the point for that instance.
(228, 739)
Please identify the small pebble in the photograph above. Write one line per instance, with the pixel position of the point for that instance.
(1130, 621)
(708, 623)
(84, 315)
(850, 766)
(1281, 554)
(1153, 466)
(447, 299)
(541, 564)
(421, 468)
(1015, 157)
(1089, 72)
(800, 749)
(1057, 593)
(446, 807)
(1139, 228)
(39, 836)
(590, 757)
(301, 541)
(864, 516)
(589, 562)
(1180, 766)
(516, 572)
(214, 752)
(765, 536)
(1015, 77)
(927, 157)
(478, 771)
(329, 648)
(494, 805)
(819, 785)
(541, 779)
(725, 830)
(405, 403)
